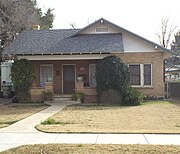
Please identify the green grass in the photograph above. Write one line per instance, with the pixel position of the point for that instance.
(156, 102)
(51, 121)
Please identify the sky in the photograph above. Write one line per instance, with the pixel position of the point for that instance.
(142, 17)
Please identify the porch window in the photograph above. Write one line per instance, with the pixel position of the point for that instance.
(46, 74)
(92, 75)
(140, 74)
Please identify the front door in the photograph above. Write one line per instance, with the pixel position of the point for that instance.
(68, 79)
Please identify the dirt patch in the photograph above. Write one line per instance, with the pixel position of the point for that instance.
(11, 113)
(95, 149)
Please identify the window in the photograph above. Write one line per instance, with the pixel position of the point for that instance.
(92, 75)
(46, 74)
(101, 29)
(147, 74)
(135, 74)
(140, 74)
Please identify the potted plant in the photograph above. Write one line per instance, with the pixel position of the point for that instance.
(80, 78)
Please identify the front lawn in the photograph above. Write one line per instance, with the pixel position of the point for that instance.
(151, 117)
(11, 113)
(95, 149)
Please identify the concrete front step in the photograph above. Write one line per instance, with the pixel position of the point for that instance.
(62, 97)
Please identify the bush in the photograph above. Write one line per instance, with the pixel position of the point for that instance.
(47, 96)
(22, 75)
(81, 96)
(78, 95)
(133, 97)
(74, 97)
(112, 74)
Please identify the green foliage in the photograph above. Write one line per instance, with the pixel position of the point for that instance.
(51, 121)
(22, 75)
(17, 16)
(47, 96)
(112, 73)
(47, 19)
(133, 97)
(81, 96)
(74, 97)
(78, 95)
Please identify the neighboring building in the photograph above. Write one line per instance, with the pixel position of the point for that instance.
(60, 57)
(173, 74)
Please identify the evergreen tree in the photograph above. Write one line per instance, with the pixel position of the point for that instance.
(19, 15)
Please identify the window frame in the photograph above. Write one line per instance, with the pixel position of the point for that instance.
(43, 65)
(90, 85)
(142, 74)
(101, 28)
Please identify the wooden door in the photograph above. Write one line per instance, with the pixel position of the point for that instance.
(68, 79)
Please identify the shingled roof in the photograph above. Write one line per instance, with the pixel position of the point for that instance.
(62, 41)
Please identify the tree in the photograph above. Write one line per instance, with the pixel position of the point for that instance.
(166, 32)
(47, 19)
(19, 15)
(22, 75)
(165, 38)
(175, 46)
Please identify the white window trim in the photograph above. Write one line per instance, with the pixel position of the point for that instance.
(89, 75)
(51, 65)
(142, 75)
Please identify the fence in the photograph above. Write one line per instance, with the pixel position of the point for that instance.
(172, 90)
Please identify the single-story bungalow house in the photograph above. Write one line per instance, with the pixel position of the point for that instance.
(63, 57)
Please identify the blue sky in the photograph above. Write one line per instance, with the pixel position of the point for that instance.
(139, 16)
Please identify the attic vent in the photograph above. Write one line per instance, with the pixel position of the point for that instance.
(102, 30)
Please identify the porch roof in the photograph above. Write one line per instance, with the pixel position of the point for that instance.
(62, 42)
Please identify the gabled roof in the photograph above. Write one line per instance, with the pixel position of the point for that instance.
(67, 41)
(138, 36)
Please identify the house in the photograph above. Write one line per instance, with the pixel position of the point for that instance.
(173, 74)
(62, 57)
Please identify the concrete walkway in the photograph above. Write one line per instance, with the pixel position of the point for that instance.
(28, 124)
(23, 132)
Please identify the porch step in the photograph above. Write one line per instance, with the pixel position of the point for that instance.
(62, 97)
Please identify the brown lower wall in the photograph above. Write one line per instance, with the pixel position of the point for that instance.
(36, 92)
(155, 58)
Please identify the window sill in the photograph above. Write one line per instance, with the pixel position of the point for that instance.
(142, 87)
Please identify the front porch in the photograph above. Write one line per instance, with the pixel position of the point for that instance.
(64, 78)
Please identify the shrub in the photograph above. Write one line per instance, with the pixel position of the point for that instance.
(22, 75)
(78, 95)
(112, 74)
(133, 97)
(81, 96)
(47, 96)
(74, 97)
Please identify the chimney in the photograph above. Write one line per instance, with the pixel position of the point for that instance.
(36, 27)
